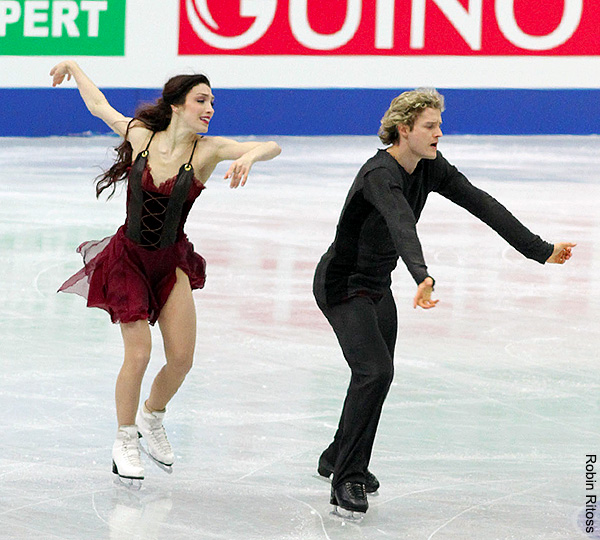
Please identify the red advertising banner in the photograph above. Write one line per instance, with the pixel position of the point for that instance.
(390, 27)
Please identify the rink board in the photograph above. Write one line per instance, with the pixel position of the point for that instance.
(317, 111)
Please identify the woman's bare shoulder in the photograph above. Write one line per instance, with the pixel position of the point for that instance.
(138, 135)
(215, 141)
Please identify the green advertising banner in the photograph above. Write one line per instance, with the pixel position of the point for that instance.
(62, 27)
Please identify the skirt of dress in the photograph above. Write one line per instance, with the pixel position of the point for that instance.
(129, 282)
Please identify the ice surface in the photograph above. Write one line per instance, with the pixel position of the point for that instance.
(496, 400)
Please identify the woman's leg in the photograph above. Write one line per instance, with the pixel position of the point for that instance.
(177, 323)
(126, 452)
(138, 344)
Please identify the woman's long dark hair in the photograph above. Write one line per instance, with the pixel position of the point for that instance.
(154, 116)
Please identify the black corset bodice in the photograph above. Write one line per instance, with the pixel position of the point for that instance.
(154, 209)
(156, 214)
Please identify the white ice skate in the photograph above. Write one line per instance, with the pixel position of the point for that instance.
(150, 427)
(127, 464)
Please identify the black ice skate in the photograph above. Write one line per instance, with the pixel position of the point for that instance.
(350, 501)
(325, 469)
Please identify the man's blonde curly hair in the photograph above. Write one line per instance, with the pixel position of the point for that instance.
(405, 108)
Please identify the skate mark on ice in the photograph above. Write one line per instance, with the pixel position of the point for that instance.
(262, 467)
(36, 279)
(322, 478)
(19, 469)
(542, 417)
(96, 509)
(509, 406)
(313, 511)
(445, 487)
(516, 349)
(487, 503)
(457, 382)
(45, 533)
(18, 316)
(50, 500)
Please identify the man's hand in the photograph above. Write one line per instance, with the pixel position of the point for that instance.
(423, 296)
(561, 253)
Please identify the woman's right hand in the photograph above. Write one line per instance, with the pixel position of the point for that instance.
(60, 71)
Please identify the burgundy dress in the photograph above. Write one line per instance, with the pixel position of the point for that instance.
(132, 279)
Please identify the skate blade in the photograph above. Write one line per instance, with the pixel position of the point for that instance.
(126, 481)
(167, 468)
(134, 484)
(347, 515)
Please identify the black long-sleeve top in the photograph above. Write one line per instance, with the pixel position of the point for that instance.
(378, 225)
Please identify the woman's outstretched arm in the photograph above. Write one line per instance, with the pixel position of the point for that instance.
(245, 155)
(93, 98)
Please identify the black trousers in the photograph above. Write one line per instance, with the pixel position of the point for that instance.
(366, 331)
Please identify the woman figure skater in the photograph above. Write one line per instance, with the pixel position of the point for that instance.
(147, 270)
(353, 278)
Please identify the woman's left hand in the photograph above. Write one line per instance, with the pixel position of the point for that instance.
(238, 171)
(561, 253)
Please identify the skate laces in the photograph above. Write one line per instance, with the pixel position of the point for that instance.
(157, 432)
(356, 490)
(131, 449)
